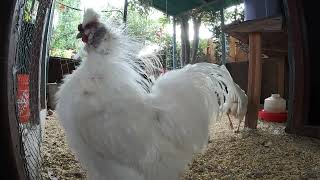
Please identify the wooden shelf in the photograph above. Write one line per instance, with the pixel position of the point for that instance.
(274, 37)
(269, 24)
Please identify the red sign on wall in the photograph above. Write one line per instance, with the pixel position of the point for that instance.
(23, 98)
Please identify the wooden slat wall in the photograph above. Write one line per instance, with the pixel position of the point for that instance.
(269, 82)
(58, 67)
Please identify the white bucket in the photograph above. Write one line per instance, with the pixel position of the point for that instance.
(275, 104)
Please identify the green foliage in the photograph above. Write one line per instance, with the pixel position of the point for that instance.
(141, 26)
(237, 15)
(141, 6)
(64, 34)
(150, 31)
(213, 20)
(166, 53)
(114, 14)
(27, 12)
(202, 47)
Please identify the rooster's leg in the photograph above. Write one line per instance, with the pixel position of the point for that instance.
(240, 120)
(230, 122)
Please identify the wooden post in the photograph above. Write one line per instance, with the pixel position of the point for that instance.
(280, 71)
(174, 45)
(223, 38)
(254, 79)
(35, 61)
(125, 12)
(12, 162)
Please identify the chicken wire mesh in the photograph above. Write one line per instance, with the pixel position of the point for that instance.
(33, 20)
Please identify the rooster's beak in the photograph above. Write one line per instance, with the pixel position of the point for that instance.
(79, 35)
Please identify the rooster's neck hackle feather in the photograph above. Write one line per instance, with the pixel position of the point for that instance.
(90, 16)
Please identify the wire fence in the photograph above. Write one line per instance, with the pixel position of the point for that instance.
(32, 28)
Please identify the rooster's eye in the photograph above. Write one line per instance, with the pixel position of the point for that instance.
(80, 28)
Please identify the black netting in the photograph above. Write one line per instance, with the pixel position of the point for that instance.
(33, 19)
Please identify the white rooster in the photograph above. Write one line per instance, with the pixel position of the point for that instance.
(232, 103)
(120, 128)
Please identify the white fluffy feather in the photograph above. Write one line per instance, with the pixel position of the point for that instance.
(118, 130)
(90, 15)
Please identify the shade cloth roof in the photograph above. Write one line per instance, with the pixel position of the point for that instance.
(176, 7)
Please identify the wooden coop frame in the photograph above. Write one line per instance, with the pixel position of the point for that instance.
(9, 136)
(269, 36)
(304, 82)
(282, 36)
(300, 86)
(277, 36)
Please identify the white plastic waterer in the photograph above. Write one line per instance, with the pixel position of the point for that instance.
(275, 104)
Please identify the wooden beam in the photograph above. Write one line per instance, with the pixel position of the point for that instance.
(268, 24)
(12, 162)
(254, 79)
(125, 12)
(174, 44)
(280, 71)
(298, 105)
(223, 37)
(35, 61)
